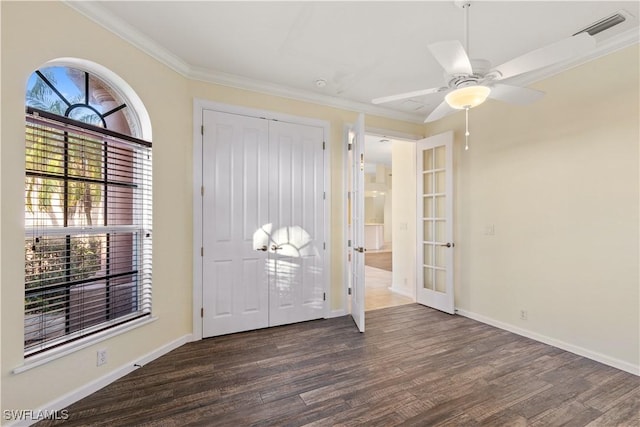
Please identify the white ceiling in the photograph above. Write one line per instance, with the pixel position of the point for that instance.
(377, 151)
(362, 49)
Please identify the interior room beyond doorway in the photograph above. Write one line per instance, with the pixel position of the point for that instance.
(378, 218)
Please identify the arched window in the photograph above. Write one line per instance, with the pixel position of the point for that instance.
(87, 208)
(81, 96)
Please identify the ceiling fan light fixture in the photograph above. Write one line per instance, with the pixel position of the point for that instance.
(467, 97)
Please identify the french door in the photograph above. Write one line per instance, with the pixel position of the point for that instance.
(435, 222)
(263, 223)
(355, 220)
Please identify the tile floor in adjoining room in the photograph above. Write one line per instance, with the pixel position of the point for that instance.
(377, 293)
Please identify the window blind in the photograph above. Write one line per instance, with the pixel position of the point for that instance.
(88, 230)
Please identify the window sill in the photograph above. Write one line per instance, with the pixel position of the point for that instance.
(62, 351)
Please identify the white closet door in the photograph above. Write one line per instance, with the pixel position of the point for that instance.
(263, 223)
(235, 211)
(296, 217)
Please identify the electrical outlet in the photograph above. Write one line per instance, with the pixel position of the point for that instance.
(524, 315)
(101, 357)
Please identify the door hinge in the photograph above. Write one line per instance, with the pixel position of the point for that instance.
(324, 146)
(201, 251)
(324, 296)
(324, 195)
(324, 245)
(202, 190)
(349, 243)
(349, 291)
(349, 146)
(201, 312)
(202, 130)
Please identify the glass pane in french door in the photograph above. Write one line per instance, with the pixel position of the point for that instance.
(428, 278)
(434, 185)
(440, 280)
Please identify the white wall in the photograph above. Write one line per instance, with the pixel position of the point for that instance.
(374, 209)
(559, 182)
(388, 216)
(377, 208)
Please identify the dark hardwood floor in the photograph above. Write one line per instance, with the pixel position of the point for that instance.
(413, 366)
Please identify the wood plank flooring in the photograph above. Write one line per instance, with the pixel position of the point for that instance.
(381, 260)
(377, 293)
(413, 366)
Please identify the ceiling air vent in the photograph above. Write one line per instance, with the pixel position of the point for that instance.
(604, 24)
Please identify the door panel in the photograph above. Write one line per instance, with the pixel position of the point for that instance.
(296, 253)
(235, 155)
(356, 221)
(435, 226)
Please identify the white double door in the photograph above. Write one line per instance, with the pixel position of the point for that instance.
(263, 223)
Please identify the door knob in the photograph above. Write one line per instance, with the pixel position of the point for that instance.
(449, 245)
(275, 248)
(359, 249)
(263, 248)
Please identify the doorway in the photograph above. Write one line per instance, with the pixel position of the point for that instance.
(420, 183)
(383, 288)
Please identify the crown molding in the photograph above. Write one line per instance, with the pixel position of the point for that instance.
(238, 82)
(104, 18)
(109, 21)
(603, 47)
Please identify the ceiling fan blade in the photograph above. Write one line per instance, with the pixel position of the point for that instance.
(451, 55)
(514, 94)
(441, 111)
(406, 95)
(550, 54)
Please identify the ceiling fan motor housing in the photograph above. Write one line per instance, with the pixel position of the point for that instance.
(480, 69)
(464, 81)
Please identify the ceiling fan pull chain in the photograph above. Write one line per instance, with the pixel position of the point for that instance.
(466, 133)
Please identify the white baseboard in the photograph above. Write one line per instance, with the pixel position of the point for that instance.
(402, 292)
(85, 390)
(589, 354)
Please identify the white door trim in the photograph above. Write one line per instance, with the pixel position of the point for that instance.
(198, 106)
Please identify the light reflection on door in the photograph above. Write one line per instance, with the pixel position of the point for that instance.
(288, 251)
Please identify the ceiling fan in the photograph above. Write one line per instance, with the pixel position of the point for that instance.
(469, 82)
